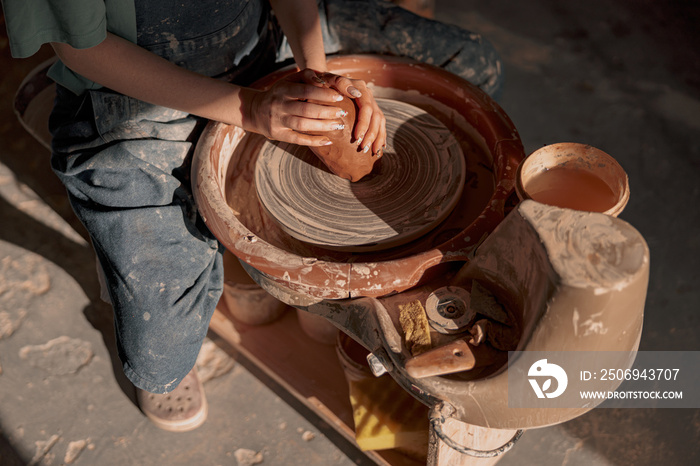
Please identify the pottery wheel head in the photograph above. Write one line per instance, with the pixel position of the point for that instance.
(411, 189)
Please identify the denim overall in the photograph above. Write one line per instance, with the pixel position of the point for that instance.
(125, 163)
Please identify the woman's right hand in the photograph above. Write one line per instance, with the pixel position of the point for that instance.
(283, 112)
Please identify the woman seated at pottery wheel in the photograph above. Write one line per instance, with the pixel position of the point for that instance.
(135, 82)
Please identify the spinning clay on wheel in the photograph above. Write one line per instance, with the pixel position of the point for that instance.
(344, 156)
(415, 187)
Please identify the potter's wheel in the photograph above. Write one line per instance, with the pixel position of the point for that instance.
(413, 187)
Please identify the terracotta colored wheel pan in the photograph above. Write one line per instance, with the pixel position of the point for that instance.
(458, 104)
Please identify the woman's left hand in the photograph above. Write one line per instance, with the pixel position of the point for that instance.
(370, 130)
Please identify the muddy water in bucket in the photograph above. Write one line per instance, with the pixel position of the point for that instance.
(561, 187)
(574, 176)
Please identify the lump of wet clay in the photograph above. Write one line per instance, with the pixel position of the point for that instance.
(344, 157)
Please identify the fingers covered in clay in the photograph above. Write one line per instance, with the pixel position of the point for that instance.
(370, 130)
(312, 77)
(296, 109)
(374, 140)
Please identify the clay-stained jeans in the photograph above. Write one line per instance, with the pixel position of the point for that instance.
(125, 164)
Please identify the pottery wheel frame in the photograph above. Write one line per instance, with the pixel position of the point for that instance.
(456, 103)
(411, 189)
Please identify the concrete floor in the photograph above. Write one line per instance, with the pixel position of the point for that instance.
(623, 76)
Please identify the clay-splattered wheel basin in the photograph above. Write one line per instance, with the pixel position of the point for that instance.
(223, 184)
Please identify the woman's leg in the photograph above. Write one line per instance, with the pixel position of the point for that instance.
(125, 165)
(381, 27)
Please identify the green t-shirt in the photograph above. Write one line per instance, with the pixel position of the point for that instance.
(78, 23)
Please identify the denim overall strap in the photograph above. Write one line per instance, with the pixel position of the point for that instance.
(210, 37)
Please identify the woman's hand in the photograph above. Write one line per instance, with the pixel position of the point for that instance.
(370, 130)
(283, 112)
(303, 102)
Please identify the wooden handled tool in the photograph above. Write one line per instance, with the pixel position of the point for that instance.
(455, 356)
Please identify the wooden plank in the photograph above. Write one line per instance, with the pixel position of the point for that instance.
(307, 370)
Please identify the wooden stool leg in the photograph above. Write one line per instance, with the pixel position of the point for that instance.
(470, 436)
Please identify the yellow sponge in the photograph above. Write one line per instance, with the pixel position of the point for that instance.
(415, 326)
(387, 417)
